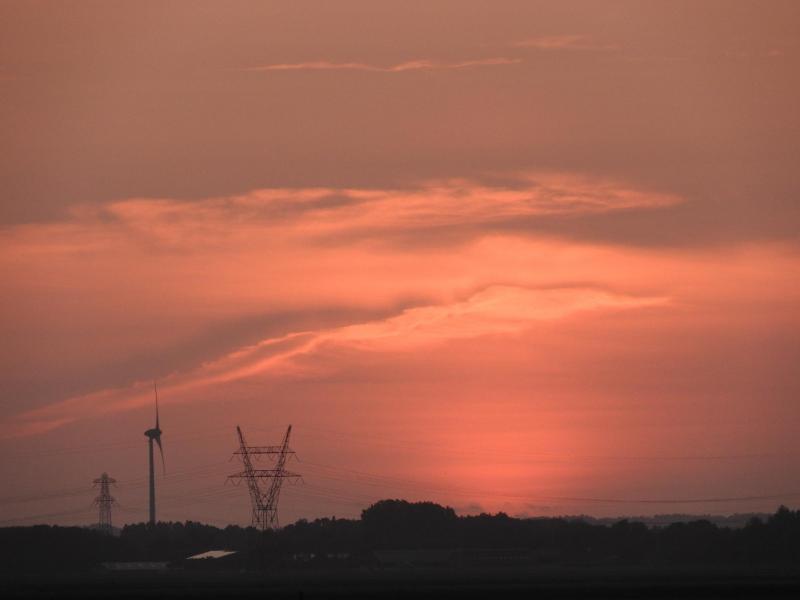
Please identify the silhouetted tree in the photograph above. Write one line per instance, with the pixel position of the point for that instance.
(402, 524)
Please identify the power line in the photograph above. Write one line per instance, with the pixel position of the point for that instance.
(379, 480)
(73, 512)
(357, 488)
(363, 439)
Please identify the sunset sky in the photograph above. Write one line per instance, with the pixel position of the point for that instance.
(537, 257)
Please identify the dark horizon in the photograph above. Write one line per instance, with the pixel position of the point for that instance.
(414, 549)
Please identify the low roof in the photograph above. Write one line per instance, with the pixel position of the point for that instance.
(212, 554)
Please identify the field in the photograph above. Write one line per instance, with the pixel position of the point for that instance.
(589, 583)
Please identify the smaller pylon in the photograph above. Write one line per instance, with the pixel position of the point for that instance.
(104, 501)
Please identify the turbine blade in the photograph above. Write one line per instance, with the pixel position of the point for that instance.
(155, 387)
(161, 450)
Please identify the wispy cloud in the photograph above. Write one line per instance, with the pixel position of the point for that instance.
(497, 310)
(562, 42)
(326, 215)
(411, 65)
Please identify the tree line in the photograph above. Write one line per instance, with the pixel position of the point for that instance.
(391, 525)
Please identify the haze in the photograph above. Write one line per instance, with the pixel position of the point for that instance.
(538, 257)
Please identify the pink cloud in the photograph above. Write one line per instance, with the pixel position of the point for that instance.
(562, 42)
(497, 310)
(411, 65)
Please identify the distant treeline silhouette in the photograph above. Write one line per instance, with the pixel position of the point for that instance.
(397, 525)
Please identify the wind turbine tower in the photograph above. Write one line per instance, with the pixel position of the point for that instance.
(154, 435)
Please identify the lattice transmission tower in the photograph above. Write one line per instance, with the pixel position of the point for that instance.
(264, 484)
(104, 501)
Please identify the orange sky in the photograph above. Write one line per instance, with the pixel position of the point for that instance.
(538, 257)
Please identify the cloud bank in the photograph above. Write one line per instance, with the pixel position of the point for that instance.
(160, 272)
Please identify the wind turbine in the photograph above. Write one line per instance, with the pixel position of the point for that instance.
(154, 434)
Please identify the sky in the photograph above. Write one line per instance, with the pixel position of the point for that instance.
(531, 257)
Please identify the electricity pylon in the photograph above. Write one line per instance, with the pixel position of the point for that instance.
(264, 484)
(104, 501)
